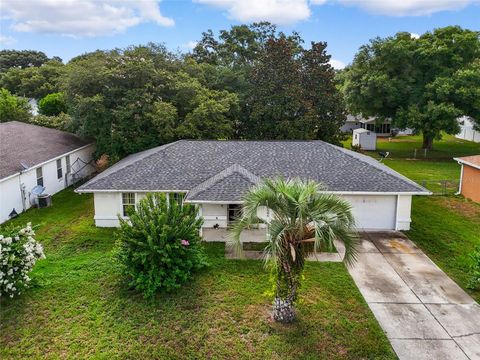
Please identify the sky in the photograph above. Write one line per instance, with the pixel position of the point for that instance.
(68, 28)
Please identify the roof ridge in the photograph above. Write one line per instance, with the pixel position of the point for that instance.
(228, 171)
(379, 166)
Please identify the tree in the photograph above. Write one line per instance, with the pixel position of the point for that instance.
(159, 247)
(293, 94)
(416, 82)
(23, 59)
(52, 104)
(34, 82)
(300, 216)
(13, 108)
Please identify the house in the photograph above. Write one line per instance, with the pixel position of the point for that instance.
(216, 174)
(382, 128)
(32, 155)
(371, 124)
(365, 139)
(467, 130)
(470, 177)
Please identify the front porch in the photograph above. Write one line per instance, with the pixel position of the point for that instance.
(223, 235)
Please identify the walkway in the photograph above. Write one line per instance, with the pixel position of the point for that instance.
(423, 312)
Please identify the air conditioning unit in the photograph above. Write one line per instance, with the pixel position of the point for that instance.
(44, 200)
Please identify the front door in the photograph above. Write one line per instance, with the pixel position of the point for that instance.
(233, 212)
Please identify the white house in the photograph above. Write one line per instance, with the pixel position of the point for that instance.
(467, 130)
(382, 129)
(216, 174)
(33, 155)
(366, 139)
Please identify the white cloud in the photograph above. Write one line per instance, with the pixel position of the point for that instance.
(337, 64)
(190, 45)
(414, 35)
(81, 18)
(407, 7)
(7, 40)
(280, 12)
(291, 11)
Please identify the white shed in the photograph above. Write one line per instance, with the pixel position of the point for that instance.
(366, 139)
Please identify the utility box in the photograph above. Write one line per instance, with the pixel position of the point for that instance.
(366, 139)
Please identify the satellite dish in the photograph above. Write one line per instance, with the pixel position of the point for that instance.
(24, 165)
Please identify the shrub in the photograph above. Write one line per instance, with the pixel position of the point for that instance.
(13, 107)
(159, 246)
(18, 254)
(52, 104)
(474, 282)
(60, 122)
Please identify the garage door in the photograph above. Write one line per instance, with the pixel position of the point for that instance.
(374, 211)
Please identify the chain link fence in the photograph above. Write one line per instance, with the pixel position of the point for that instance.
(441, 187)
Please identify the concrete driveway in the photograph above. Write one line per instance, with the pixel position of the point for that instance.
(423, 312)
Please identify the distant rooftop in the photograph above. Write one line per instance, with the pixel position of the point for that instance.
(22, 143)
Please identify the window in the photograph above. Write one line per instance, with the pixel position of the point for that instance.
(59, 169)
(178, 197)
(128, 203)
(39, 176)
(67, 161)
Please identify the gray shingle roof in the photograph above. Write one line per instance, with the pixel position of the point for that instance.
(32, 145)
(186, 164)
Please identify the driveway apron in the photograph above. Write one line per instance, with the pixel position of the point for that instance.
(424, 313)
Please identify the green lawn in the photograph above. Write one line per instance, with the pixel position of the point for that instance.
(447, 228)
(438, 164)
(79, 307)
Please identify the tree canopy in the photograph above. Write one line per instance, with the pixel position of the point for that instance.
(23, 59)
(13, 108)
(424, 83)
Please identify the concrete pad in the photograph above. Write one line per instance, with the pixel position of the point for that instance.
(396, 245)
(385, 235)
(324, 257)
(366, 246)
(426, 279)
(408, 321)
(458, 320)
(377, 280)
(470, 345)
(427, 350)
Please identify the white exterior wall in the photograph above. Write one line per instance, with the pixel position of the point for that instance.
(348, 127)
(214, 214)
(468, 133)
(372, 212)
(10, 187)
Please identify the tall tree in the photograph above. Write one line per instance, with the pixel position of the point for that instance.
(23, 59)
(293, 94)
(416, 82)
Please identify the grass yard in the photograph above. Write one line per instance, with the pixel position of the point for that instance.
(447, 229)
(79, 307)
(438, 164)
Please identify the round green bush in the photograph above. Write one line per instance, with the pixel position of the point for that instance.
(52, 104)
(159, 246)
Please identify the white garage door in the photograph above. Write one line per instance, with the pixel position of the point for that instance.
(374, 211)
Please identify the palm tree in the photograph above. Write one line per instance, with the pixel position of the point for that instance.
(302, 220)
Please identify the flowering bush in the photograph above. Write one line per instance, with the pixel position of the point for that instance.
(159, 246)
(18, 254)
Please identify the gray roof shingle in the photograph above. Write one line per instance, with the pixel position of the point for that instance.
(186, 164)
(32, 145)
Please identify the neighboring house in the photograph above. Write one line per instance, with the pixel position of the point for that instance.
(381, 129)
(33, 155)
(467, 130)
(216, 174)
(470, 177)
(367, 140)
